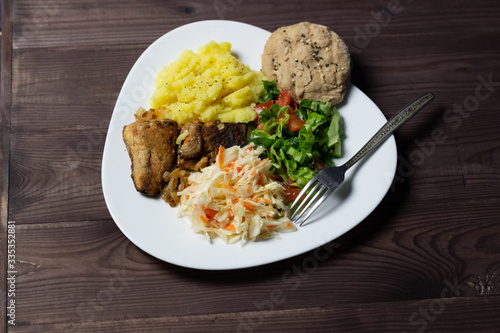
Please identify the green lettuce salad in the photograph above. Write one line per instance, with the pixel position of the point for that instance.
(297, 151)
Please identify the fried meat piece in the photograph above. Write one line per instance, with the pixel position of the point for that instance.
(192, 146)
(151, 146)
(204, 140)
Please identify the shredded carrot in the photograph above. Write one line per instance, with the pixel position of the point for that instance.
(220, 157)
(203, 218)
(266, 200)
(289, 224)
(248, 205)
(263, 161)
(230, 227)
(269, 227)
(229, 166)
(210, 213)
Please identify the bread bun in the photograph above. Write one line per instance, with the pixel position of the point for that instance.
(308, 60)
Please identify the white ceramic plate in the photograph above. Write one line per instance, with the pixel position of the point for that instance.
(152, 224)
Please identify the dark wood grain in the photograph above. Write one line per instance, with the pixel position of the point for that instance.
(394, 317)
(5, 95)
(392, 263)
(426, 260)
(82, 22)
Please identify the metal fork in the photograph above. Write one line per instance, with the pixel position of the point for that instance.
(329, 179)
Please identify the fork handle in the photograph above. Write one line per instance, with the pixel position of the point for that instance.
(401, 117)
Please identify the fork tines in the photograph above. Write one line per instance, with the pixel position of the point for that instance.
(313, 193)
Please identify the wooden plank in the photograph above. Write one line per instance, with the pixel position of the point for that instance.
(393, 256)
(434, 315)
(71, 76)
(5, 119)
(64, 23)
(459, 162)
(98, 23)
(392, 273)
(56, 176)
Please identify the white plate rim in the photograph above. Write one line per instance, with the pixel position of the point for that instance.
(187, 249)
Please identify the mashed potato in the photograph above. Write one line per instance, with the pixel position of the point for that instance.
(210, 84)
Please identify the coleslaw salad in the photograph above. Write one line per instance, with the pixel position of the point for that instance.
(237, 198)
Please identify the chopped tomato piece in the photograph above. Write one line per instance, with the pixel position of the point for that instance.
(258, 108)
(294, 123)
(291, 192)
(284, 98)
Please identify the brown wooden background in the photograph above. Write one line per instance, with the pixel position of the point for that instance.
(426, 260)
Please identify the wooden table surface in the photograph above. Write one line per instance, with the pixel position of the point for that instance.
(426, 260)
